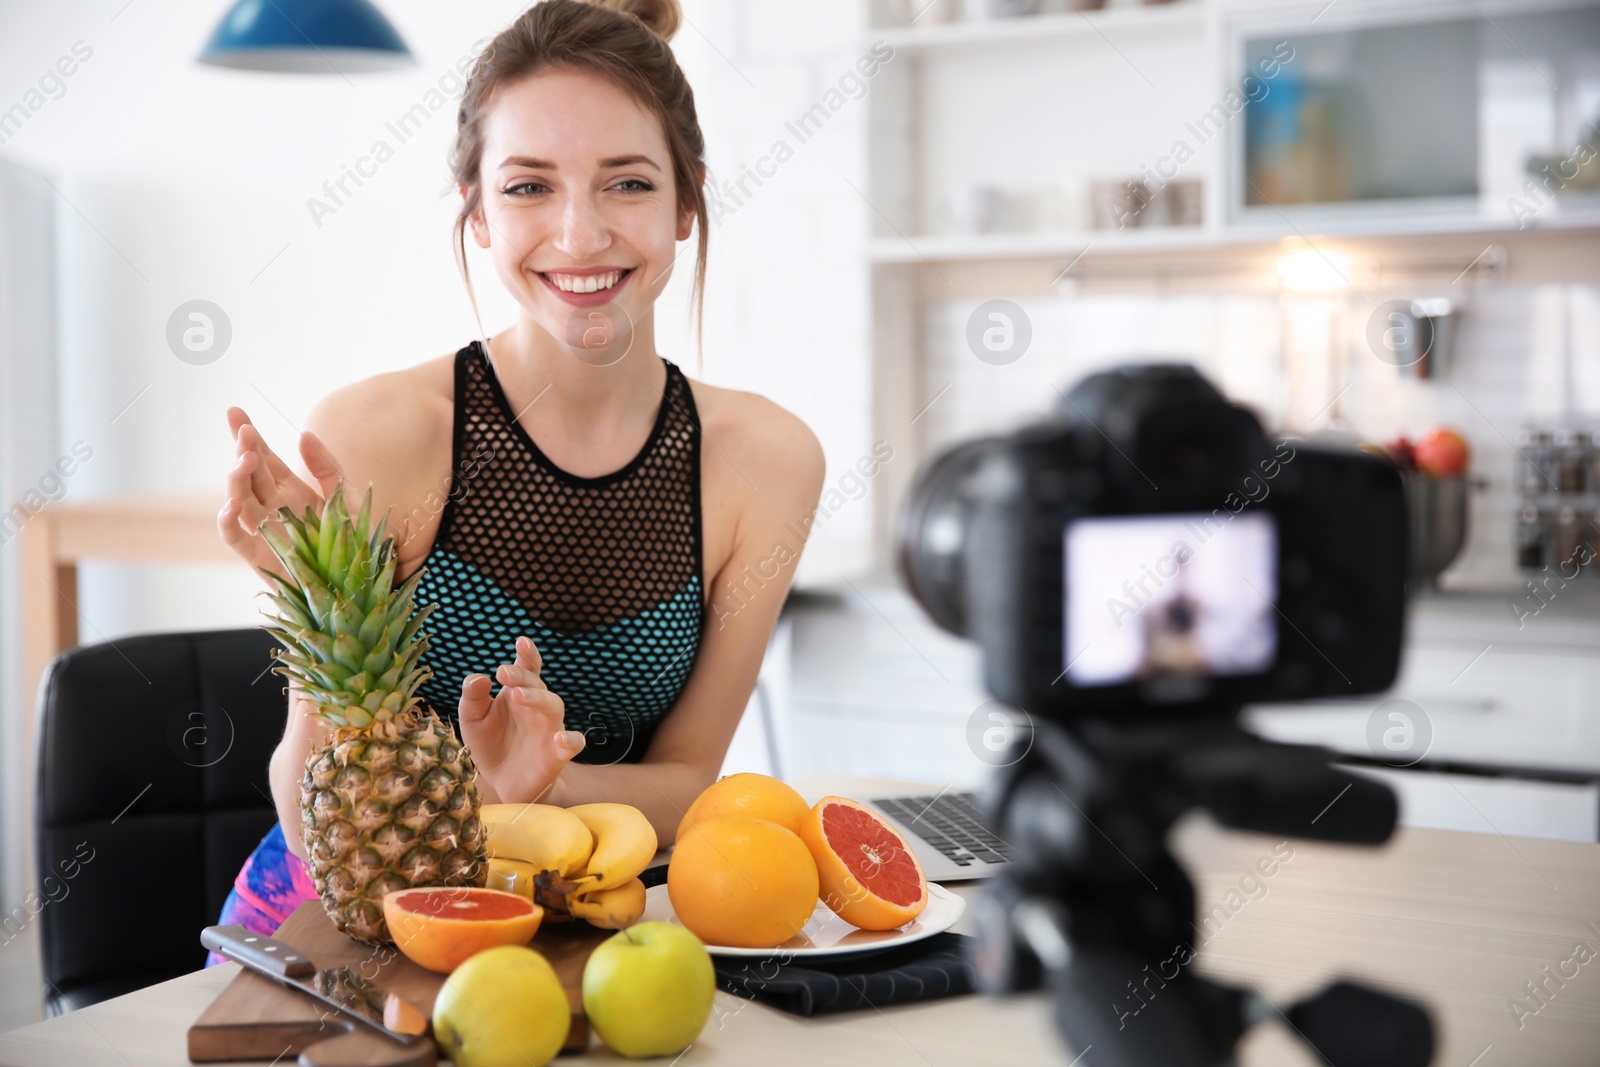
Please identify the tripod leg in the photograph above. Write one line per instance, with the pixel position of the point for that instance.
(1122, 1008)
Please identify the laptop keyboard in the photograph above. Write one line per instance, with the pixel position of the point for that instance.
(951, 823)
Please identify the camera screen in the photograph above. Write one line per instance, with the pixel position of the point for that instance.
(1151, 595)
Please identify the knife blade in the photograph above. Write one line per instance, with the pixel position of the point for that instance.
(340, 987)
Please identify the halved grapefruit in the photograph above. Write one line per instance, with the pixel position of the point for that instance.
(439, 927)
(868, 875)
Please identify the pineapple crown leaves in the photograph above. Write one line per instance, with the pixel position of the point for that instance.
(350, 638)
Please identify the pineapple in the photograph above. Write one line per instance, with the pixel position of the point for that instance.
(391, 801)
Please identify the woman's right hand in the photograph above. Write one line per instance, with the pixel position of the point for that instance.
(517, 738)
(260, 483)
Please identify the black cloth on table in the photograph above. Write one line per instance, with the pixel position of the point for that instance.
(938, 966)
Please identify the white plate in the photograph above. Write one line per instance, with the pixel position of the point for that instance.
(825, 934)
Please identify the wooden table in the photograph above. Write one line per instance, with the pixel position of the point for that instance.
(172, 528)
(1460, 920)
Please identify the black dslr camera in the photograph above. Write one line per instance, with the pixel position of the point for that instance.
(1136, 568)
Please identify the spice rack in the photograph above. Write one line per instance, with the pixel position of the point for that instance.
(1558, 485)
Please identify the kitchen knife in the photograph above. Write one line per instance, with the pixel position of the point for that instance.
(339, 987)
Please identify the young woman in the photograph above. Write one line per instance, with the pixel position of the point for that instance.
(576, 500)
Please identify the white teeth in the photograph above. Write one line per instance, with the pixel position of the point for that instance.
(593, 283)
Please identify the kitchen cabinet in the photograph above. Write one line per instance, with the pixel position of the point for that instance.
(991, 145)
(998, 138)
(1456, 110)
(1516, 704)
(1492, 693)
(877, 688)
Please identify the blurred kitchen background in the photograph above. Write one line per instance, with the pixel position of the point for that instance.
(1367, 220)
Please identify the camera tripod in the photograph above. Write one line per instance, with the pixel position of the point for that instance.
(1094, 906)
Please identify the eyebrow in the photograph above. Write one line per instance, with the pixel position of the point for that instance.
(605, 164)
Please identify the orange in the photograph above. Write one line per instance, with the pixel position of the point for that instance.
(748, 793)
(866, 872)
(439, 927)
(744, 882)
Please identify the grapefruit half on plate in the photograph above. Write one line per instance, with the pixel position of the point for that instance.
(868, 875)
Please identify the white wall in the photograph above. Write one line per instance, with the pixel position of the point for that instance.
(1522, 354)
(28, 475)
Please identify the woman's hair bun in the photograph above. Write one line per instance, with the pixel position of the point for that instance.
(663, 17)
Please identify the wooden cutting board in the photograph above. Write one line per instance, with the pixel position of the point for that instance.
(256, 1018)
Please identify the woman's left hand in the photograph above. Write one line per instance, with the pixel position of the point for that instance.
(518, 739)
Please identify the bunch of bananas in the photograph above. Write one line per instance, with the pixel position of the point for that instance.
(581, 862)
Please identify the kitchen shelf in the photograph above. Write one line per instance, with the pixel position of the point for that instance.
(961, 248)
(1159, 18)
(954, 248)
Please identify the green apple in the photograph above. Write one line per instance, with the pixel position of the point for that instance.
(647, 990)
(503, 1007)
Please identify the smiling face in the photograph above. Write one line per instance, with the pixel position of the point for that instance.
(579, 210)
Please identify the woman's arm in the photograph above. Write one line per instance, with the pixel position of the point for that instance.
(780, 470)
(389, 433)
(662, 790)
(302, 735)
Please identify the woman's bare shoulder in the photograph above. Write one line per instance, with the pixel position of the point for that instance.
(759, 437)
(392, 426)
(420, 385)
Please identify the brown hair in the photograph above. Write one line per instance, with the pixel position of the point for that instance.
(624, 41)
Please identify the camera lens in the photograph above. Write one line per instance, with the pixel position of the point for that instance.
(934, 525)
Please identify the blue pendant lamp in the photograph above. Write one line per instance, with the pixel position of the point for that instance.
(306, 37)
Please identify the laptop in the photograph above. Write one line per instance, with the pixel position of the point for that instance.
(948, 833)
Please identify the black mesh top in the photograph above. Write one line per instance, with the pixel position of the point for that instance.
(603, 574)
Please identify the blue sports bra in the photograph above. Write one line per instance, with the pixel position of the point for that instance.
(603, 574)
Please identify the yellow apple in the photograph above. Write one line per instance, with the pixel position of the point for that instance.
(503, 1007)
(647, 990)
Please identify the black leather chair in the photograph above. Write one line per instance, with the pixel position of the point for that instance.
(152, 791)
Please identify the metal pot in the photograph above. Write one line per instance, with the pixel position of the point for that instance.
(982, 10)
(1420, 336)
(1437, 509)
